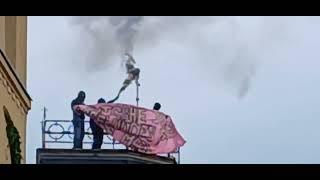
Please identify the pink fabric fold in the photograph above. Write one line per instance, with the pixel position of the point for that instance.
(141, 129)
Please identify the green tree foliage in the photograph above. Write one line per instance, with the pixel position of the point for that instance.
(13, 138)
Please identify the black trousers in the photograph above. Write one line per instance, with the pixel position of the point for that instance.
(97, 135)
(78, 125)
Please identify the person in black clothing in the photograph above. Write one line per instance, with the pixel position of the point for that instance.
(78, 121)
(97, 131)
(157, 106)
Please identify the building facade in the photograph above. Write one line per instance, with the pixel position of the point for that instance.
(13, 80)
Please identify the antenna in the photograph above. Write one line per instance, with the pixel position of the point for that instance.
(44, 113)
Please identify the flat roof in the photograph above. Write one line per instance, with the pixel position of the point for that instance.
(101, 156)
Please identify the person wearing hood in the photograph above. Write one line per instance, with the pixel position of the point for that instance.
(97, 131)
(78, 121)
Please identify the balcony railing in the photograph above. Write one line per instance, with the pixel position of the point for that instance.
(61, 132)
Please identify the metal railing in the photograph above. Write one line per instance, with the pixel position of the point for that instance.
(61, 132)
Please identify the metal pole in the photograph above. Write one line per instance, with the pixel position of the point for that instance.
(179, 155)
(43, 127)
(137, 99)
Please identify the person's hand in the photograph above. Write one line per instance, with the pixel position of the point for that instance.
(76, 109)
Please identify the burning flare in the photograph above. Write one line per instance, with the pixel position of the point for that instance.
(133, 74)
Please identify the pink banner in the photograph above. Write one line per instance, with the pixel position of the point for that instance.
(138, 128)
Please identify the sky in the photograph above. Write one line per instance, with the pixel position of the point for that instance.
(277, 121)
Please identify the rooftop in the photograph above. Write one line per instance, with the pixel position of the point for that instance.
(57, 141)
(103, 156)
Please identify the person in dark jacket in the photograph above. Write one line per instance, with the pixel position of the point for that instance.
(97, 131)
(78, 121)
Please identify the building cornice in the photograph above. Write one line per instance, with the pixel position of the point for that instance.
(12, 83)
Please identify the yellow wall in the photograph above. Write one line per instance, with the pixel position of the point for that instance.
(13, 71)
(18, 118)
(15, 42)
(11, 38)
(2, 32)
(21, 50)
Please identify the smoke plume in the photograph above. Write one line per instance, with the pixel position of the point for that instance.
(126, 31)
(230, 45)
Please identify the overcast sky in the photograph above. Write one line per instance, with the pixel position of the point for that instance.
(277, 121)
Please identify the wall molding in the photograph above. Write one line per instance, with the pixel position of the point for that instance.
(13, 85)
(12, 94)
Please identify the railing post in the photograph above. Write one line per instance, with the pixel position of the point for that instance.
(179, 155)
(43, 127)
(43, 134)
